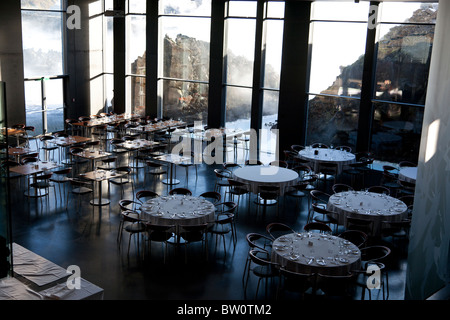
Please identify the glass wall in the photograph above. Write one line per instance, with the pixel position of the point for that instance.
(43, 52)
(405, 38)
(338, 40)
(183, 72)
(240, 26)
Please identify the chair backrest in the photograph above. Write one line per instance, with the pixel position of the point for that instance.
(128, 205)
(357, 237)
(375, 253)
(130, 216)
(353, 223)
(279, 163)
(317, 226)
(403, 164)
(148, 194)
(319, 196)
(257, 240)
(344, 148)
(297, 147)
(26, 160)
(341, 187)
(260, 258)
(336, 285)
(63, 171)
(277, 229)
(379, 189)
(183, 191)
(212, 196)
(408, 200)
(253, 162)
(319, 145)
(226, 207)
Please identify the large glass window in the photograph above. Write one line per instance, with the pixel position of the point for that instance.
(405, 37)
(338, 39)
(136, 59)
(240, 26)
(43, 39)
(184, 64)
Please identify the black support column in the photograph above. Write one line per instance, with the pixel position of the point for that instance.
(293, 100)
(368, 81)
(151, 58)
(257, 92)
(119, 59)
(216, 102)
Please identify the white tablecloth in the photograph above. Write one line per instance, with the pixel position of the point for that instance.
(340, 157)
(367, 205)
(408, 174)
(37, 278)
(178, 210)
(256, 176)
(316, 253)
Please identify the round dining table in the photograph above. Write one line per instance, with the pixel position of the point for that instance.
(320, 155)
(255, 176)
(178, 210)
(310, 253)
(369, 206)
(408, 174)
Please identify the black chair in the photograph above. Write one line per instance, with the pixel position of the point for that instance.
(145, 195)
(212, 196)
(364, 225)
(159, 233)
(291, 281)
(264, 269)
(317, 227)
(336, 286)
(238, 189)
(319, 145)
(224, 224)
(319, 198)
(252, 162)
(267, 195)
(358, 238)
(325, 216)
(123, 180)
(222, 176)
(379, 189)
(181, 191)
(277, 229)
(341, 187)
(194, 233)
(255, 241)
(279, 163)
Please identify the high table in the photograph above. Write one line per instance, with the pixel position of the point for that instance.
(310, 253)
(65, 142)
(256, 176)
(92, 155)
(172, 159)
(135, 146)
(99, 176)
(320, 155)
(17, 152)
(33, 168)
(369, 206)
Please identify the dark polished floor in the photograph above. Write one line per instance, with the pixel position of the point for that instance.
(87, 237)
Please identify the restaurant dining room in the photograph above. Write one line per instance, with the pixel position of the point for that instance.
(255, 153)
